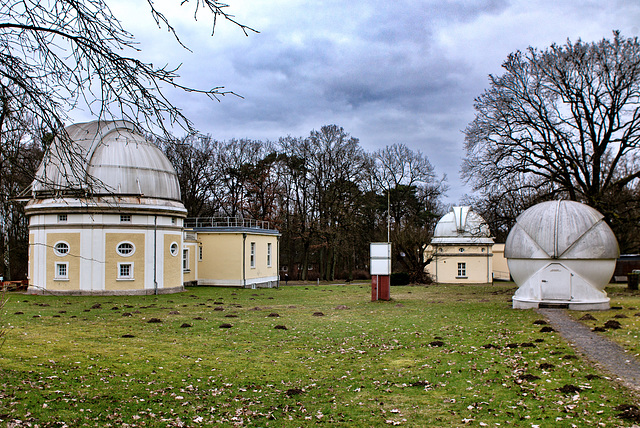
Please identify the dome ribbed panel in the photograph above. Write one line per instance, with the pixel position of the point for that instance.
(562, 230)
(461, 225)
(111, 158)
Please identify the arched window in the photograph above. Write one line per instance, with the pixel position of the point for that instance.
(61, 248)
(126, 249)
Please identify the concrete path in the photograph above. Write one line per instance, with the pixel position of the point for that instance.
(623, 366)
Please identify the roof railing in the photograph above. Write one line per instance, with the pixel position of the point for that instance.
(226, 222)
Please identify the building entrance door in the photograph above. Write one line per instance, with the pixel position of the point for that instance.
(555, 282)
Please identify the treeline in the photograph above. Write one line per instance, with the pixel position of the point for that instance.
(327, 196)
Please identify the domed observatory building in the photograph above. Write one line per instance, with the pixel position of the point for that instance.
(106, 219)
(460, 250)
(561, 253)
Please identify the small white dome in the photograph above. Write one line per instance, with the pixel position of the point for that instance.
(108, 158)
(561, 230)
(462, 226)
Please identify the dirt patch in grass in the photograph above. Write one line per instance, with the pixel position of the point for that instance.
(294, 391)
(569, 389)
(629, 412)
(612, 324)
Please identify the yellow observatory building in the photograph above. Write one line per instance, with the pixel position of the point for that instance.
(106, 217)
(462, 250)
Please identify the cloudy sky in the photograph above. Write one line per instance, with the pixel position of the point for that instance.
(387, 72)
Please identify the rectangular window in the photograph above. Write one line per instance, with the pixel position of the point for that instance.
(462, 270)
(269, 254)
(173, 220)
(200, 253)
(62, 218)
(62, 270)
(185, 260)
(125, 270)
(253, 255)
(125, 218)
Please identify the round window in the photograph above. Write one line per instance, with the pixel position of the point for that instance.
(174, 248)
(461, 250)
(61, 248)
(125, 249)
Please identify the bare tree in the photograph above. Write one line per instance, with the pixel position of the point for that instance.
(401, 171)
(58, 54)
(568, 118)
(500, 208)
(296, 203)
(231, 165)
(336, 165)
(193, 158)
(412, 193)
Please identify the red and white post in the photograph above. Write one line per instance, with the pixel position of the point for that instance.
(380, 269)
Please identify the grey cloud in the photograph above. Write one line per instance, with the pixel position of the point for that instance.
(404, 71)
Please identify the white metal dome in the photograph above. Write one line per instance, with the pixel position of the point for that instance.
(106, 158)
(561, 251)
(461, 226)
(561, 230)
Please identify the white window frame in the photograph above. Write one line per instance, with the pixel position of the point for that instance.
(133, 249)
(185, 260)
(462, 270)
(59, 253)
(252, 255)
(121, 277)
(125, 218)
(62, 218)
(58, 276)
(268, 254)
(174, 249)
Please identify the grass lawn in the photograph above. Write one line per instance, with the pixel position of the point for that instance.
(299, 356)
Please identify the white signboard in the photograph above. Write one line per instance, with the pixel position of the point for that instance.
(380, 258)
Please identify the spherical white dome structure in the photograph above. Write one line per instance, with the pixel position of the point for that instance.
(107, 158)
(105, 216)
(561, 252)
